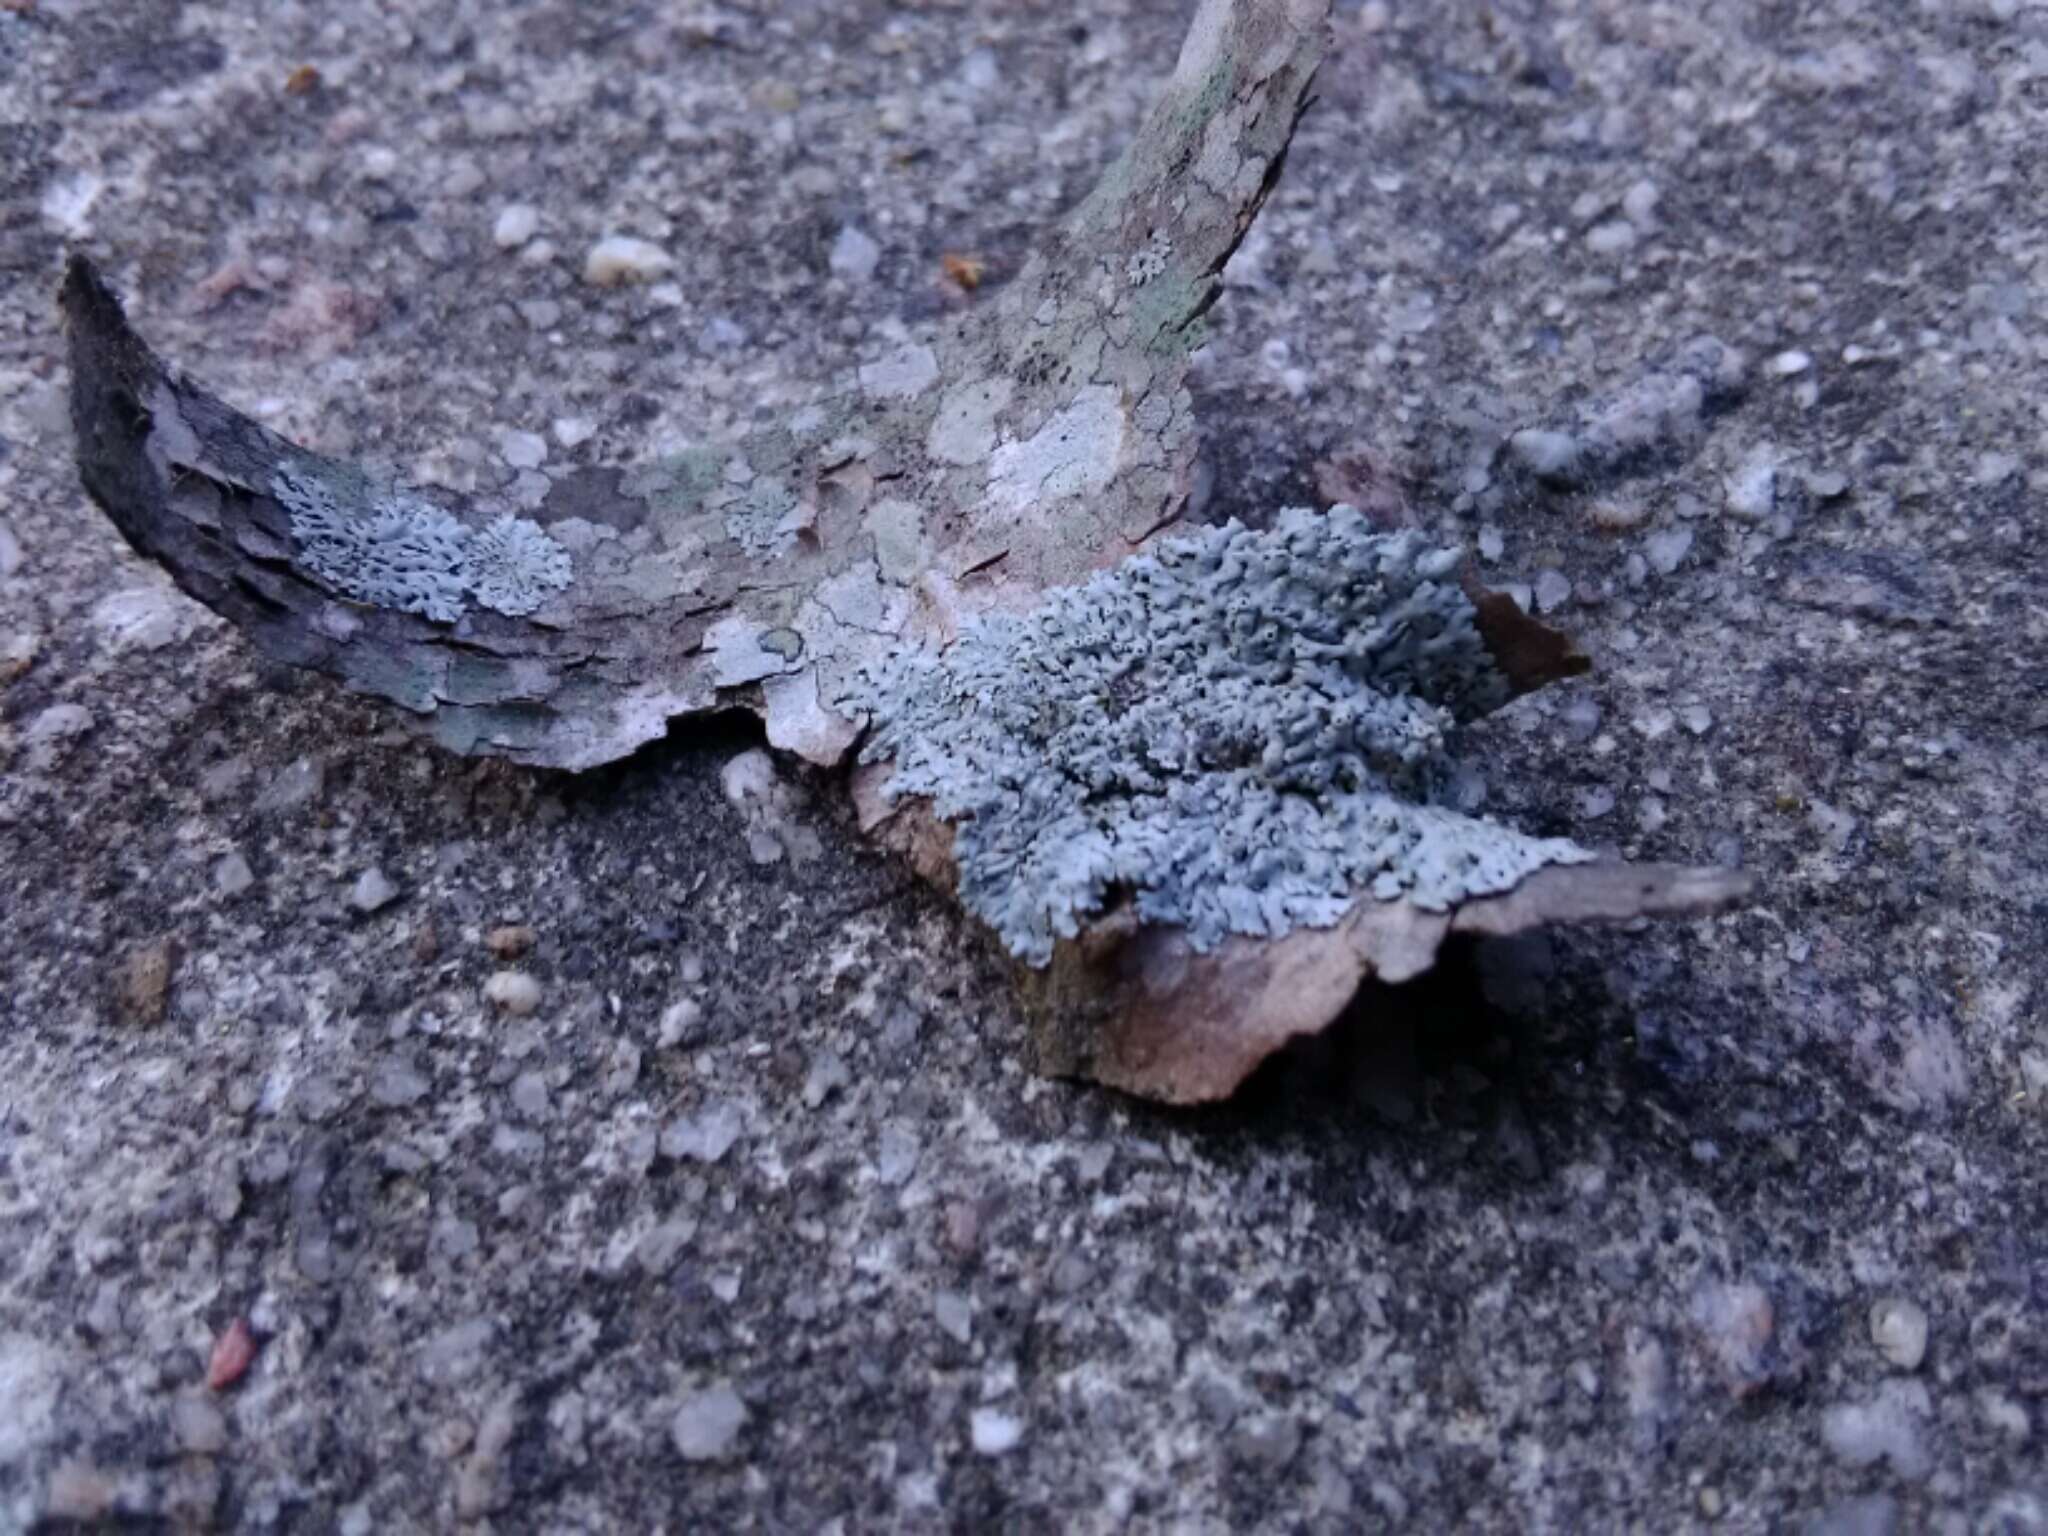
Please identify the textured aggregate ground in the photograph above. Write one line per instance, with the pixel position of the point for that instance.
(758, 1219)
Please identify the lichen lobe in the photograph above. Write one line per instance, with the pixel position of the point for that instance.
(1244, 732)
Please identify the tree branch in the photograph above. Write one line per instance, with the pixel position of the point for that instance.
(1023, 448)
(1193, 789)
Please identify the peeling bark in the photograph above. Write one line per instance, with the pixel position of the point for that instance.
(1041, 437)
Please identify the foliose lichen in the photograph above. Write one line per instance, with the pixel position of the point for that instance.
(514, 566)
(1243, 730)
(403, 552)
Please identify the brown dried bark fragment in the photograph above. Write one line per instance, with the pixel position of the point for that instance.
(142, 981)
(1139, 1009)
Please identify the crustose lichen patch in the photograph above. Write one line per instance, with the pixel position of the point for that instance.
(1245, 731)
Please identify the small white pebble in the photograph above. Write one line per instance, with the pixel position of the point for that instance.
(1888, 1427)
(1544, 453)
(620, 259)
(954, 1311)
(372, 891)
(2005, 1415)
(530, 1095)
(681, 1021)
(995, 1431)
(1751, 489)
(1994, 468)
(517, 224)
(854, 254)
(708, 1424)
(1611, 238)
(523, 450)
(574, 431)
(1898, 1327)
(1653, 723)
(232, 875)
(982, 71)
(514, 992)
(1667, 548)
(1787, 364)
(201, 1428)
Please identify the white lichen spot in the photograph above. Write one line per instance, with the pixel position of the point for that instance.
(396, 551)
(142, 618)
(1243, 731)
(759, 519)
(907, 372)
(1074, 453)
(964, 431)
(1149, 260)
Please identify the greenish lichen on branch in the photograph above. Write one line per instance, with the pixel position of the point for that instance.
(392, 550)
(1245, 731)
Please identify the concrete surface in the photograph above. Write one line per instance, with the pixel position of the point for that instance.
(747, 1211)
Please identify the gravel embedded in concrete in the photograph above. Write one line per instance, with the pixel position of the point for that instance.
(1409, 1251)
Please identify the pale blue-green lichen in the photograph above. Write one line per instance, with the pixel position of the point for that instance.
(758, 517)
(403, 552)
(1242, 730)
